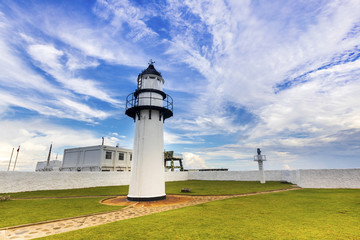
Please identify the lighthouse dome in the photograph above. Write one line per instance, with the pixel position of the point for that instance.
(151, 70)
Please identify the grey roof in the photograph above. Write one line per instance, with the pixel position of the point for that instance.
(151, 70)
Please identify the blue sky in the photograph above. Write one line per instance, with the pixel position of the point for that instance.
(282, 76)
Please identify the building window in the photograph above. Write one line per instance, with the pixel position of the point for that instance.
(108, 155)
(121, 156)
(130, 157)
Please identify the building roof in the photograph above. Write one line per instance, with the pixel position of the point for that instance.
(151, 70)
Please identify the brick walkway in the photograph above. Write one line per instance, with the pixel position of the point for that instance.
(134, 209)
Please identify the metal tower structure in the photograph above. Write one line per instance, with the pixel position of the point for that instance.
(260, 159)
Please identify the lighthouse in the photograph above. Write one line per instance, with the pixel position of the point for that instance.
(149, 106)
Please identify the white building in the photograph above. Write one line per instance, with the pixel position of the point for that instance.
(97, 158)
(54, 165)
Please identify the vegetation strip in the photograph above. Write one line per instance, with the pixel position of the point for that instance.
(21, 212)
(35, 198)
(59, 220)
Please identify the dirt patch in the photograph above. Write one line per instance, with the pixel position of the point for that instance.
(170, 200)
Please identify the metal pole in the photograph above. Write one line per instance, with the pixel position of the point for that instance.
(48, 159)
(10, 159)
(261, 170)
(17, 154)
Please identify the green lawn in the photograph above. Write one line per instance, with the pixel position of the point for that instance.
(300, 214)
(17, 212)
(198, 188)
(81, 192)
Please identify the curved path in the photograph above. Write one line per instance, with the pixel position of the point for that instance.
(133, 209)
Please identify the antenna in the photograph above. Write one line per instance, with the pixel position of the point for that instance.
(17, 154)
(151, 62)
(10, 159)
(49, 155)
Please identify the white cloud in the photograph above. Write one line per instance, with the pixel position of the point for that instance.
(13, 71)
(84, 110)
(123, 12)
(193, 161)
(35, 137)
(170, 138)
(48, 56)
(206, 125)
(80, 62)
(99, 41)
(287, 167)
(23, 87)
(223, 152)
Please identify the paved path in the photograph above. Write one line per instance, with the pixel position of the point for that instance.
(136, 209)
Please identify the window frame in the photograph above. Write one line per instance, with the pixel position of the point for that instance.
(106, 155)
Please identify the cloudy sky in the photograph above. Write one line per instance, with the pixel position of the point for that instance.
(282, 76)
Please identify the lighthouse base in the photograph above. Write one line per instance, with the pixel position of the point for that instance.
(146, 199)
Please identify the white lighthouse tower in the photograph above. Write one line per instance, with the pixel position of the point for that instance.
(149, 106)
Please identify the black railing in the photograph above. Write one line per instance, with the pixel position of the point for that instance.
(136, 102)
(132, 101)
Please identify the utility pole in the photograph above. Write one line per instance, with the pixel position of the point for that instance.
(17, 154)
(10, 159)
(49, 155)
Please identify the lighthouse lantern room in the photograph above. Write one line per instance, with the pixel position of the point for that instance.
(149, 106)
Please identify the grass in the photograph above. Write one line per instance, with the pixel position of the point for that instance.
(17, 212)
(301, 214)
(81, 192)
(198, 188)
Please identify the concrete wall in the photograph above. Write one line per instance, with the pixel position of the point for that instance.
(275, 175)
(176, 176)
(309, 178)
(32, 181)
(329, 178)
